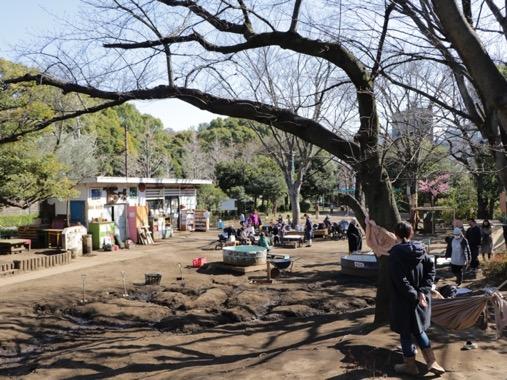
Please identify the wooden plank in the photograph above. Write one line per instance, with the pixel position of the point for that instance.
(12, 241)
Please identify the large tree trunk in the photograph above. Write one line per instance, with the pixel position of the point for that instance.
(482, 200)
(294, 190)
(491, 84)
(376, 185)
(381, 208)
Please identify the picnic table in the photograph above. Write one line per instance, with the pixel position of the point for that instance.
(55, 233)
(13, 245)
(293, 239)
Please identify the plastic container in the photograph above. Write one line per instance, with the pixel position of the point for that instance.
(152, 278)
(245, 255)
(199, 262)
(360, 265)
(168, 233)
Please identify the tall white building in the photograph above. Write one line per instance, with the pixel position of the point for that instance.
(416, 122)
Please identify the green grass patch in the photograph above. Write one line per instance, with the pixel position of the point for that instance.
(16, 220)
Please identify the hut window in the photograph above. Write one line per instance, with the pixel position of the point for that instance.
(96, 194)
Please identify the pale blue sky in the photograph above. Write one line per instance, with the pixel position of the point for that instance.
(23, 20)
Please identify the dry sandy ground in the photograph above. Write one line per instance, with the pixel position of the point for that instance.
(311, 324)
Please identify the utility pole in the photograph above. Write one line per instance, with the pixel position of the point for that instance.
(126, 150)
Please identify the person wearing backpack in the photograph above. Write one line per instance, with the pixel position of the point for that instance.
(412, 273)
(459, 252)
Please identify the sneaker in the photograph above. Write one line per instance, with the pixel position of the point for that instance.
(469, 345)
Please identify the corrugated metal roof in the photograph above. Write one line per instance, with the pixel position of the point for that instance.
(148, 181)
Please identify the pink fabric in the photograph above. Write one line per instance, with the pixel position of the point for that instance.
(379, 239)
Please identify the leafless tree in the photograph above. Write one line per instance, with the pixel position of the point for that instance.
(152, 159)
(302, 85)
(195, 51)
(442, 33)
(413, 129)
(196, 162)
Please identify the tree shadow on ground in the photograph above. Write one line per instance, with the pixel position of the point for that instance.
(320, 265)
(69, 347)
(365, 361)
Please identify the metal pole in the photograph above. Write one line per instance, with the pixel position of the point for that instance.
(126, 151)
(123, 275)
(83, 278)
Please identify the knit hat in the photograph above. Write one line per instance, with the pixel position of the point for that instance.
(456, 231)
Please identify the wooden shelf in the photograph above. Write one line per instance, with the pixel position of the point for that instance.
(201, 223)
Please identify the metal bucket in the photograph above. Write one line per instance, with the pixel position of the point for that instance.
(87, 244)
(152, 278)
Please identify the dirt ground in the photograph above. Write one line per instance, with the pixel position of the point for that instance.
(313, 323)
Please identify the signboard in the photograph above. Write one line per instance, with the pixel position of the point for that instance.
(72, 238)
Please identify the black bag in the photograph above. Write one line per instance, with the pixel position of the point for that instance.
(448, 291)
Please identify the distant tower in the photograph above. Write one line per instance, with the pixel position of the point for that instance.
(414, 122)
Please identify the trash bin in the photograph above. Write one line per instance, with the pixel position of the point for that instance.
(168, 233)
(152, 278)
(87, 244)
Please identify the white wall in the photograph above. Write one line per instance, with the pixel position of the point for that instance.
(95, 207)
(61, 204)
(190, 203)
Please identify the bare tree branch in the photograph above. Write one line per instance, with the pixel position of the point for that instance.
(295, 16)
(283, 119)
(378, 58)
(44, 124)
(218, 23)
(502, 20)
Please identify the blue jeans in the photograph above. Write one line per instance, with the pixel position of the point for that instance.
(408, 348)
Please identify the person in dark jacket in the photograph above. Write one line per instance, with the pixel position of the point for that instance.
(308, 230)
(474, 238)
(354, 237)
(412, 273)
(459, 252)
(487, 240)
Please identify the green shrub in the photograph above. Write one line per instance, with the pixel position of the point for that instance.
(305, 206)
(262, 208)
(282, 208)
(496, 269)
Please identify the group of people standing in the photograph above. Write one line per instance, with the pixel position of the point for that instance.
(412, 274)
(464, 247)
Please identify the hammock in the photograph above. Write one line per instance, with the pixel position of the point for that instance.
(458, 313)
(463, 312)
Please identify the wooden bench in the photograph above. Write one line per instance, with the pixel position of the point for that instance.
(293, 240)
(11, 246)
(322, 233)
